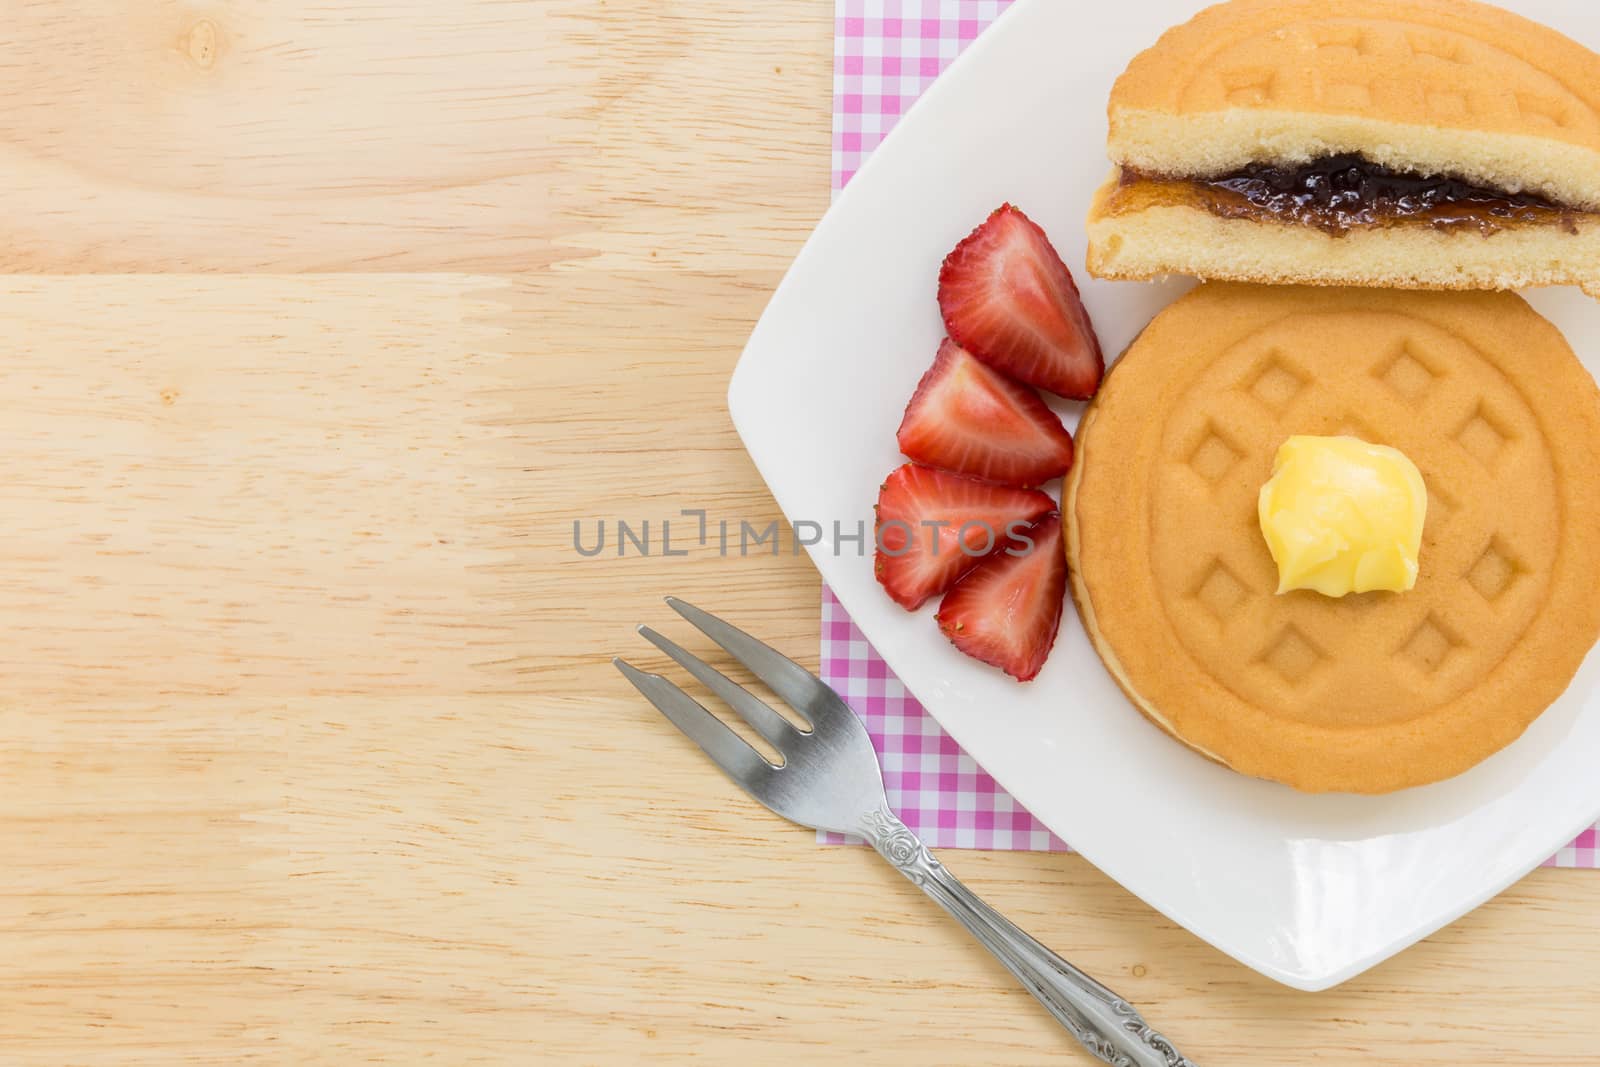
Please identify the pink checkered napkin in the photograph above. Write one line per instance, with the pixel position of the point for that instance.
(885, 53)
(934, 786)
(1584, 852)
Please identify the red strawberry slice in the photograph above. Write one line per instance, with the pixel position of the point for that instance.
(967, 417)
(934, 526)
(1008, 299)
(1007, 609)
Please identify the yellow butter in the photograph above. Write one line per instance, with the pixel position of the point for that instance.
(1343, 516)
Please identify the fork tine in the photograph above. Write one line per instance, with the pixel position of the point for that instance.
(802, 690)
(727, 749)
(768, 723)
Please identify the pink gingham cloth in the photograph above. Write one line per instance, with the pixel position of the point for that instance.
(937, 789)
(886, 52)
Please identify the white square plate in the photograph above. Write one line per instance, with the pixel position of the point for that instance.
(1309, 890)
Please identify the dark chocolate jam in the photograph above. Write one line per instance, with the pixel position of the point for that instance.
(1339, 193)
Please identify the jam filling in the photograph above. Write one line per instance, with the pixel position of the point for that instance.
(1337, 194)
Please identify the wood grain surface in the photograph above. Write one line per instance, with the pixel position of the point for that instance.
(322, 323)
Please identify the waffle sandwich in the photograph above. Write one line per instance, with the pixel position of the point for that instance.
(1440, 144)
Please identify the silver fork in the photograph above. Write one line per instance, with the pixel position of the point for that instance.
(829, 780)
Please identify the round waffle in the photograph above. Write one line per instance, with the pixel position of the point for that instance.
(1369, 692)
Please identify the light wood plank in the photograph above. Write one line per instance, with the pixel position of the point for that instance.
(321, 135)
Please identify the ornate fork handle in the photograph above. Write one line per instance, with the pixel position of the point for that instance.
(1108, 1026)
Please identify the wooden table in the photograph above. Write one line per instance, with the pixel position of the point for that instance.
(324, 321)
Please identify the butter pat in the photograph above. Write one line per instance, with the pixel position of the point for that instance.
(1343, 516)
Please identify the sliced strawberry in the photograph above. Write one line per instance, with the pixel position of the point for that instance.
(934, 526)
(968, 417)
(1008, 299)
(1007, 609)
